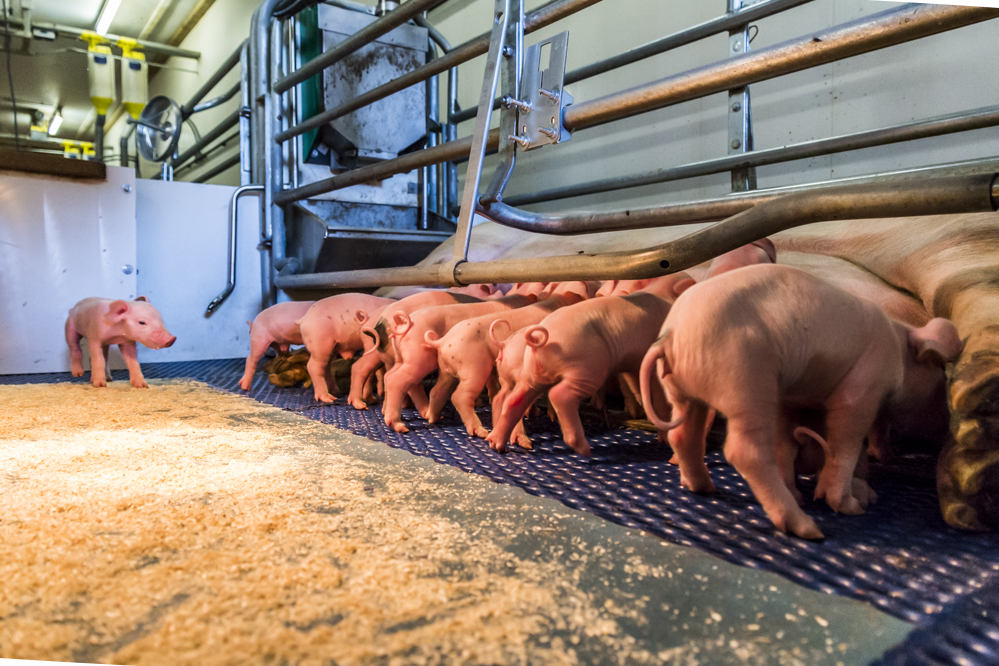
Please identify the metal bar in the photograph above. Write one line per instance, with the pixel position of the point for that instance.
(668, 43)
(99, 137)
(403, 164)
(480, 135)
(706, 210)
(244, 116)
(740, 119)
(435, 35)
(920, 129)
(231, 280)
(228, 123)
(362, 37)
(144, 44)
(126, 134)
(222, 166)
(962, 194)
(536, 20)
(510, 71)
(221, 99)
(878, 31)
(213, 80)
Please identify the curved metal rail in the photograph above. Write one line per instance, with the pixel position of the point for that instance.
(889, 198)
(233, 225)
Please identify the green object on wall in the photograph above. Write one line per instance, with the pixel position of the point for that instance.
(310, 46)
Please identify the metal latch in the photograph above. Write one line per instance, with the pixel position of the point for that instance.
(543, 96)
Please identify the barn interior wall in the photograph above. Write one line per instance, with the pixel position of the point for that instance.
(942, 74)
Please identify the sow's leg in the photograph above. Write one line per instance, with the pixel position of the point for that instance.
(968, 469)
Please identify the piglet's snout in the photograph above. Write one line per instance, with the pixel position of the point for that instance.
(170, 341)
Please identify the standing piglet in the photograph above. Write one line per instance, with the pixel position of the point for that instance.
(104, 322)
(764, 343)
(377, 329)
(278, 326)
(467, 354)
(575, 349)
(331, 326)
(415, 358)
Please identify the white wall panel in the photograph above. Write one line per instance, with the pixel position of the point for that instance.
(61, 240)
(182, 236)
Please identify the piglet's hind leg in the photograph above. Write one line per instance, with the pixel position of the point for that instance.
(75, 353)
(750, 448)
(565, 399)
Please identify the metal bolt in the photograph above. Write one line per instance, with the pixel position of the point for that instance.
(550, 94)
(737, 45)
(126, 188)
(524, 141)
(550, 132)
(736, 107)
(736, 144)
(508, 51)
(127, 269)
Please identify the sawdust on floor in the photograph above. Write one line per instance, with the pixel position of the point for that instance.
(179, 525)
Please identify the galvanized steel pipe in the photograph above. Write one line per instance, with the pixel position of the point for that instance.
(707, 29)
(893, 198)
(920, 129)
(536, 20)
(881, 30)
(903, 24)
(359, 39)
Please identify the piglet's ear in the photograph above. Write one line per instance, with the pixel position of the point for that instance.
(937, 342)
(683, 285)
(142, 298)
(767, 246)
(118, 309)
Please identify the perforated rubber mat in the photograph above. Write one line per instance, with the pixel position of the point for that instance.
(899, 557)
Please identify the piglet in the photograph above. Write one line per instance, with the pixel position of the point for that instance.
(573, 352)
(467, 354)
(764, 344)
(377, 329)
(104, 322)
(415, 358)
(330, 327)
(276, 326)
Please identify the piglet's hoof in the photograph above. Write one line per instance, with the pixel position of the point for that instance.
(803, 526)
(495, 444)
(524, 442)
(358, 404)
(400, 428)
(695, 485)
(327, 398)
(98, 383)
(139, 383)
(864, 493)
(77, 371)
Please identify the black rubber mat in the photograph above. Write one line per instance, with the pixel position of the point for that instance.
(899, 557)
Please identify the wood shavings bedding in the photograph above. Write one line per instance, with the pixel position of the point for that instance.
(181, 525)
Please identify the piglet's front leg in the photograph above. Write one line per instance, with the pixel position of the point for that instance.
(135, 377)
(98, 365)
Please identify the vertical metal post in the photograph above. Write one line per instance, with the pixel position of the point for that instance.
(451, 134)
(433, 129)
(273, 154)
(477, 153)
(740, 118)
(244, 117)
(294, 99)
